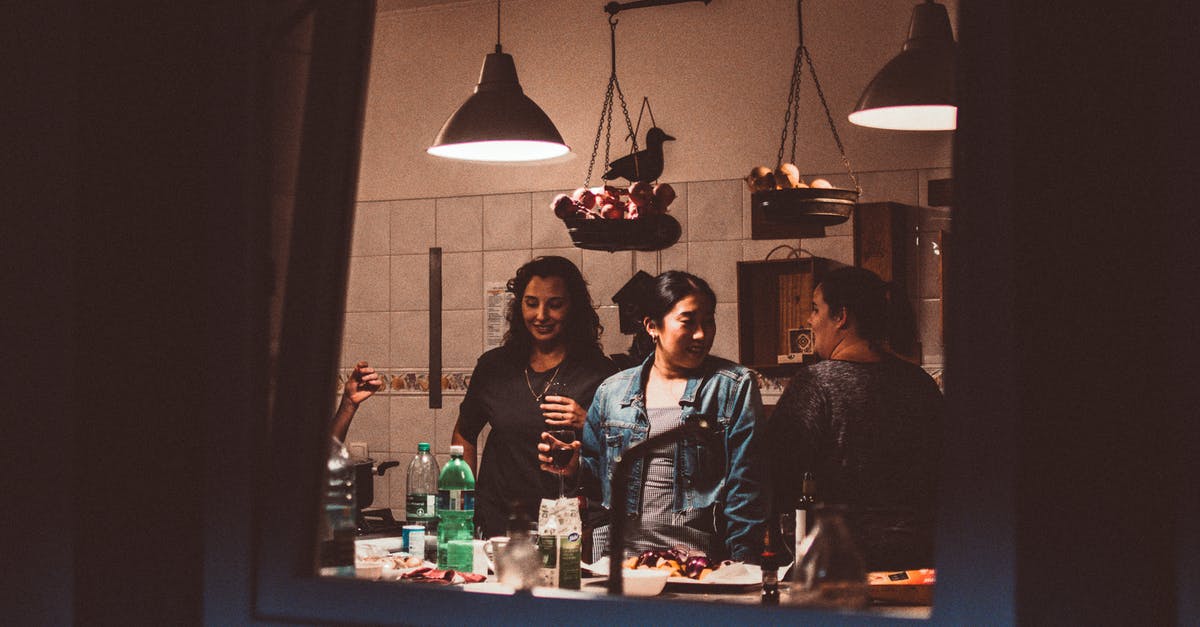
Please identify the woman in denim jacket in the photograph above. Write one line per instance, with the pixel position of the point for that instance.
(704, 495)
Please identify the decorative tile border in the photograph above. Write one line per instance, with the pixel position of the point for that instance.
(413, 382)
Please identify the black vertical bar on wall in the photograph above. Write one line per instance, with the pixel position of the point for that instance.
(435, 328)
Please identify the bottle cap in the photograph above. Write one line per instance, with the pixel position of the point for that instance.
(456, 449)
(423, 447)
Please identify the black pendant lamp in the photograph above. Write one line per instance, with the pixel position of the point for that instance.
(499, 122)
(915, 90)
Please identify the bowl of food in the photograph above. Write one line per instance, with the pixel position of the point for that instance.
(644, 582)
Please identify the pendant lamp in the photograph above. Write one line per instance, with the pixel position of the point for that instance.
(499, 122)
(915, 90)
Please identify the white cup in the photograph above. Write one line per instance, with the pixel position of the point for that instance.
(493, 547)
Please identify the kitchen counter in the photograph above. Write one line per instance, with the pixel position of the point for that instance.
(594, 587)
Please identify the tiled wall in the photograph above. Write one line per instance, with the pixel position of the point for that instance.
(485, 238)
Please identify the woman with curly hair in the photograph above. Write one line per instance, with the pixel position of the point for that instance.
(553, 336)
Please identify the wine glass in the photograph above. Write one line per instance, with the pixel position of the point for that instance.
(561, 452)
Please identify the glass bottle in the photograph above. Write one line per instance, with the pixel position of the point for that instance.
(769, 561)
(829, 571)
(338, 525)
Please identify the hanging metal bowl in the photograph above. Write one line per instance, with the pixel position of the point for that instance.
(647, 233)
(819, 206)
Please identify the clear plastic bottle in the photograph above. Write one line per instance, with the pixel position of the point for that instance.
(338, 525)
(456, 514)
(421, 504)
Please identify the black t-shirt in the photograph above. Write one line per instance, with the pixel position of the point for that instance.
(500, 395)
(871, 435)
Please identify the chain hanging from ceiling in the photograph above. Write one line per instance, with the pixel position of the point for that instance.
(792, 113)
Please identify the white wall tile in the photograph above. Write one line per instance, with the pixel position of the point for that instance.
(714, 210)
(548, 230)
(647, 261)
(443, 428)
(411, 420)
(612, 340)
(412, 225)
(367, 288)
(674, 258)
(365, 336)
(409, 340)
(606, 273)
(460, 223)
(501, 265)
(370, 229)
(747, 222)
(370, 424)
(679, 208)
(462, 280)
(716, 263)
(462, 338)
(902, 186)
(758, 249)
(726, 344)
(410, 282)
(838, 248)
(507, 222)
(570, 252)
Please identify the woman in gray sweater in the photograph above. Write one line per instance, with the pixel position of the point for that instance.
(866, 423)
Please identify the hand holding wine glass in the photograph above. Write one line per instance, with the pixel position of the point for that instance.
(560, 410)
(558, 446)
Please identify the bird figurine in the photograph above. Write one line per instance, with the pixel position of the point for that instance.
(643, 165)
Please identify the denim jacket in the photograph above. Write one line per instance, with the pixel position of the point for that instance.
(725, 475)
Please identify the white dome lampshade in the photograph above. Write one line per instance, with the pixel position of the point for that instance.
(499, 123)
(915, 90)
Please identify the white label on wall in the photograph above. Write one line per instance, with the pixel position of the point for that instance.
(496, 299)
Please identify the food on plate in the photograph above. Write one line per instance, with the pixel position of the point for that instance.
(393, 561)
(679, 561)
(822, 183)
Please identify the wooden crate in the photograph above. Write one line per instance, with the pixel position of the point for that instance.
(773, 297)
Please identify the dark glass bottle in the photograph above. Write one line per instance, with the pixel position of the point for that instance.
(770, 562)
(799, 521)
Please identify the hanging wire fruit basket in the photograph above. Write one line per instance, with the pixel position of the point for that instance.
(781, 195)
(610, 218)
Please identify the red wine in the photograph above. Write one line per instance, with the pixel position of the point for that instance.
(561, 456)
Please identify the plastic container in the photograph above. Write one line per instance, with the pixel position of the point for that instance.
(421, 505)
(338, 525)
(456, 514)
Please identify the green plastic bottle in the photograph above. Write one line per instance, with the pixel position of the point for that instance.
(456, 511)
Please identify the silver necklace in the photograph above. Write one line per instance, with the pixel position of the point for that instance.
(537, 398)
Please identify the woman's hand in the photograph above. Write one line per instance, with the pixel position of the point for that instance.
(547, 464)
(562, 412)
(361, 384)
